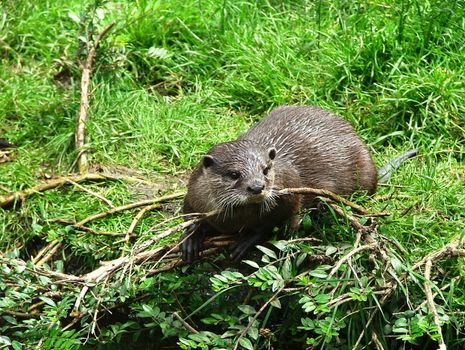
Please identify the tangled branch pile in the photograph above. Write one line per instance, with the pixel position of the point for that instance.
(365, 277)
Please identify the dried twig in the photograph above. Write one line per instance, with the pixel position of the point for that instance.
(185, 324)
(84, 105)
(370, 319)
(129, 206)
(49, 253)
(254, 318)
(138, 217)
(85, 228)
(349, 255)
(44, 250)
(431, 304)
(328, 194)
(450, 249)
(352, 220)
(12, 198)
(95, 194)
(59, 277)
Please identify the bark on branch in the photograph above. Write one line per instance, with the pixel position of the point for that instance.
(80, 137)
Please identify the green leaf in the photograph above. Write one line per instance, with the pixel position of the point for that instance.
(300, 259)
(253, 333)
(10, 319)
(16, 345)
(318, 273)
(74, 17)
(246, 343)
(36, 228)
(286, 269)
(267, 252)
(251, 263)
(330, 250)
(47, 301)
(281, 245)
(4, 340)
(397, 264)
(247, 309)
(276, 303)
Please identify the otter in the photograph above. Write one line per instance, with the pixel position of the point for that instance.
(294, 146)
(5, 144)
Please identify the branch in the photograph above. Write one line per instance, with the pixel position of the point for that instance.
(85, 228)
(431, 304)
(55, 245)
(137, 218)
(349, 255)
(18, 197)
(92, 193)
(84, 105)
(129, 206)
(450, 249)
(185, 324)
(258, 313)
(328, 194)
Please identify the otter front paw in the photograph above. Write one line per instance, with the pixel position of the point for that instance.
(244, 243)
(192, 243)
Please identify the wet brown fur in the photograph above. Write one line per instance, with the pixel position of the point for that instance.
(313, 148)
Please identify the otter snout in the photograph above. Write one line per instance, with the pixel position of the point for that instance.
(256, 188)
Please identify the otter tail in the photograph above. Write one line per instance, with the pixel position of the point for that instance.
(5, 144)
(386, 171)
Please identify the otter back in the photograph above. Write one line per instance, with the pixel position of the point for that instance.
(291, 147)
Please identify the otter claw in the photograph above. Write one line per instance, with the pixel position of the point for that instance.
(243, 245)
(192, 246)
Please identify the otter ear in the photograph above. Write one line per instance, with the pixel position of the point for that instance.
(208, 161)
(272, 153)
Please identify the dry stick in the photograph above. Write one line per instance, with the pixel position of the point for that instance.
(185, 324)
(372, 316)
(352, 220)
(95, 194)
(138, 217)
(349, 255)
(258, 313)
(442, 289)
(126, 178)
(129, 206)
(86, 229)
(346, 297)
(43, 251)
(375, 340)
(5, 189)
(110, 267)
(139, 254)
(84, 105)
(361, 230)
(451, 249)
(49, 254)
(108, 309)
(431, 304)
(11, 198)
(211, 248)
(94, 318)
(77, 303)
(177, 228)
(328, 194)
(60, 277)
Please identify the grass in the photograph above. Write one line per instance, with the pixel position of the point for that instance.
(176, 77)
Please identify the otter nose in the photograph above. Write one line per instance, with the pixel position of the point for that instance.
(255, 188)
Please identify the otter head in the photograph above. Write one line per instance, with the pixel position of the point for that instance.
(239, 173)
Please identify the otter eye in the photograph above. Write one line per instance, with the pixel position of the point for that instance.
(266, 170)
(234, 175)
